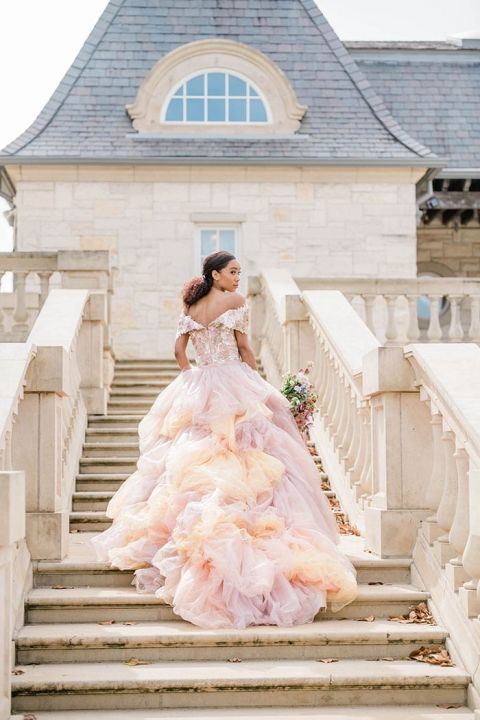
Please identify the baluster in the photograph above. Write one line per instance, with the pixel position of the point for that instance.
(455, 331)
(364, 481)
(369, 301)
(20, 314)
(434, 332)
(446, 509)
(2, 273)
(338, 409)
(44, 286)
(461, 523)
(391, 331)
(413, 331)
(474, 329)
(344, 423)
(356, 470)
(470, 593)
(350, 432)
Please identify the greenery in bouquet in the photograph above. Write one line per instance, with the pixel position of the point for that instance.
(301, 395)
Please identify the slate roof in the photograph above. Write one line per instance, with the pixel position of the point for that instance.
(85, 120)
(432, 89)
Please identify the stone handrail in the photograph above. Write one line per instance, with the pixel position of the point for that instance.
(389, 306)
(449, 381)
(342, 425)
(35, 273)
(398, 430)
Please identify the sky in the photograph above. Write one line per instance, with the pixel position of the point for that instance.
(40, 40)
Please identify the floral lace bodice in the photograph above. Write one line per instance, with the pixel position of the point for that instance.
(216, 342)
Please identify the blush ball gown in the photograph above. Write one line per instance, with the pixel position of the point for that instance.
(224, 518)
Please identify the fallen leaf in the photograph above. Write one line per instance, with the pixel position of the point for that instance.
(388, 659)
(434, 655)
(327, 660)
(369, 618)
(417, 614)
(128, 622)
(234, 659)
(375, 582)
(449, 706)
(135, 661)
(62, 587)
(106, 622)
(18, 671)
(29, 716)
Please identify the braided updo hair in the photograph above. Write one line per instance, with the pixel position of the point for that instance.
(197, 287)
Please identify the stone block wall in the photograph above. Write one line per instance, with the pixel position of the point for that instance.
(357, 222)
(449, 251)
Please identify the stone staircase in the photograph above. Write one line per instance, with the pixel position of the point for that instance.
(94, 648)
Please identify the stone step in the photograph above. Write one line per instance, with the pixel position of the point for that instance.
(100, 482)
(91, 501)
(134, 391)
(121, 406)
(126, 421)
(89, 686)
(107, 449)
(126, 379)
(103, 594)
(351, 712)
(89, 520)
(180, 640)
(120, 434)
(108, 464)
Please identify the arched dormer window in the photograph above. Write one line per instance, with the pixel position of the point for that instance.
(212, 87)
(216, 97)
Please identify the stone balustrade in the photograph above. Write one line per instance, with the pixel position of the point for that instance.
(422, 309)
(398, 429)
(34, 274)
(49, 383)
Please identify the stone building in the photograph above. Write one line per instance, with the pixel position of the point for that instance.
(186, 126)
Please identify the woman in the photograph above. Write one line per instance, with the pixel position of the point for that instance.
(224, 518)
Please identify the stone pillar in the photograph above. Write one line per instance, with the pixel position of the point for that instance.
(37, 449)
(400, 427)
(12, 530)
(91, 354)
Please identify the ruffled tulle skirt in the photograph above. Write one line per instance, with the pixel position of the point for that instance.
(224, 517)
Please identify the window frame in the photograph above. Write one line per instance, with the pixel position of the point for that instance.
(216, 227)
(205, 97)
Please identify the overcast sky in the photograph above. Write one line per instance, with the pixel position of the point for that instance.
(39, 39)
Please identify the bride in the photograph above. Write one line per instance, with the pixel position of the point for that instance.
(224, 517)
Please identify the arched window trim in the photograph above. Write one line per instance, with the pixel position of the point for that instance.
(204, 71)
(230, 56)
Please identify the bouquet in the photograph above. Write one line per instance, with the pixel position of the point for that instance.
(302, 396)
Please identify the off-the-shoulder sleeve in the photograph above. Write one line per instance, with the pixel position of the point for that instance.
(184, 325)
(237, 319)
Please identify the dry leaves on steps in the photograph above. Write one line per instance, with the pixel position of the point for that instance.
(135, 661)
(18, 671)
(369, 618)
(345, 528)
(29, 716)
(434, 654)
(328, 660)
(417, 614)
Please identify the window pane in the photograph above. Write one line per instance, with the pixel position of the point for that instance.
(196, 86)
(208, 242)
(216, 83)
(257, 111)
(253, 92)
(195, 110)
(236, 86)
(227, 241)
(237, 110)
(175, 111)
(216, 110)
(179, 92)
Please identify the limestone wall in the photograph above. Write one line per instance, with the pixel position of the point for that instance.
(449, 250)
(316, 222)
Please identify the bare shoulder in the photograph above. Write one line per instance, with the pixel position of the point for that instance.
(236, 300)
